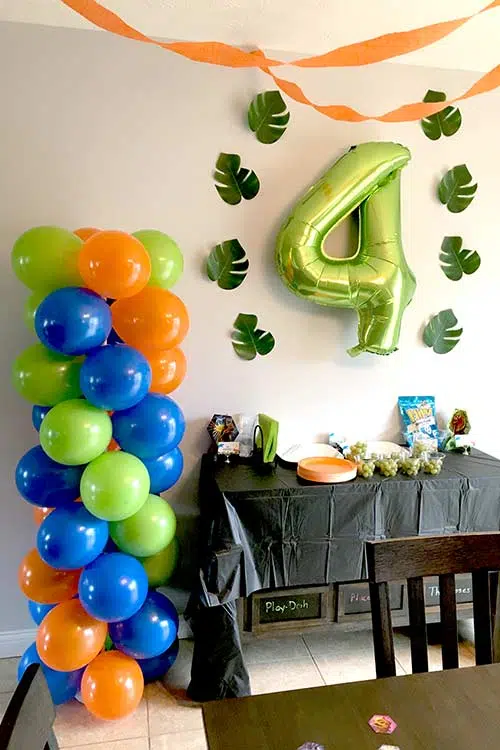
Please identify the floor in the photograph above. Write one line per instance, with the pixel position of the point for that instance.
(166, 720)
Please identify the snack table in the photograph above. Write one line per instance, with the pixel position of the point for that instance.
(268, 529)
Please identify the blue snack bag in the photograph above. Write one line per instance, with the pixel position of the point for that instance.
(418, 415)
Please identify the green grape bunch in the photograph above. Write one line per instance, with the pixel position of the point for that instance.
(433, 465)
(388, 467)
(358, 449)
(366, 469)
(410, 466)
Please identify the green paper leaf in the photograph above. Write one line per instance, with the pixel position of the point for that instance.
(234, 182)
(268, 116)
(455, 260)
(455, 189)
(445, 122)
(248, 340)
(440, 332)
(228, 264)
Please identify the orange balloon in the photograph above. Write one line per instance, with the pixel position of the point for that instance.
(113, 445)
(70, 638)
(112, 685)
(154, 319)
(168, 367)
(114, 264)
(44, 584)
(40, 514)
(85, 232)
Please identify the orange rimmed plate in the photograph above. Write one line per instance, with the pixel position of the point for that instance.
(326, 469)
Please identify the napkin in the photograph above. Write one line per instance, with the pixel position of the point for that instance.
(270, 429)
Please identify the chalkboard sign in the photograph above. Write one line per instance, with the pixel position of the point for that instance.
(292, 607)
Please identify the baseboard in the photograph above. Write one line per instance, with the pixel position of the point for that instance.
(15, 642)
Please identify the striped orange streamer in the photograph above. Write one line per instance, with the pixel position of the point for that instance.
(379, 49)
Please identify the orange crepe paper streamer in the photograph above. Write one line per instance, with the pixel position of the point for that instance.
(378, 49)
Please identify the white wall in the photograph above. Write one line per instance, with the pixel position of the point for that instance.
(100, 131)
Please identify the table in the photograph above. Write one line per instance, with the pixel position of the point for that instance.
(270, 529)
(452, 710)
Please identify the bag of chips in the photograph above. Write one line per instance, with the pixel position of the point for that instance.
(418, 415)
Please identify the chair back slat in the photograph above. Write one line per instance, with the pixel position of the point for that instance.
(28, 719)
(416, 613)
(413, 559)
(482, 618)
(383, 642)
(449, 625)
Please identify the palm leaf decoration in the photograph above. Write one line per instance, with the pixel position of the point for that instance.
(455, 260)
(268, 116)
(441, 333)
(228, 264)
(455, 189)
(446, 122)
(234, 182)
(248, 340)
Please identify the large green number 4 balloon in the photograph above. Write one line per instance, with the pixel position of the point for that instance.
(376, 281)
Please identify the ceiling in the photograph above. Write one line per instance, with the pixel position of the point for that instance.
(307, 27)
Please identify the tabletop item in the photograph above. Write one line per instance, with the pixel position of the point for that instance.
(328, 470)
(297, 452)
(384, 448)
(270, 428)
(418, 415)
(270, 530)
(222, 428)
(455, 709)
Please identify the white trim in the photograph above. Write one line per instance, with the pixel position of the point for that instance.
(15, 642)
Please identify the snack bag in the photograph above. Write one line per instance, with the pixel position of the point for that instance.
(418, 414)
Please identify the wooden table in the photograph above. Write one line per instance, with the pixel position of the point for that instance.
(454, 710)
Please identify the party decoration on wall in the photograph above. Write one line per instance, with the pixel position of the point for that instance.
(455, 260)
(228, 264)
(376, 281)
(167, 262)
(441, 332)
(268, 116)
(234, 182)
(248, 340)
(446, 122)
(81, 480)
(366, 52)
(455, 190)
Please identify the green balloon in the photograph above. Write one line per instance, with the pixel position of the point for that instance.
(46, 258)
(167, 262)
(30, 308)
(75, 432)
(45, 377)
(114, 486)
(148, 531)
(160, 567)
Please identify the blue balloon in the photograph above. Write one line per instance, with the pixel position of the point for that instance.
(153, 669)
(150, 631)
(42, 481)
(38, 611)
(113, 587)
(63, 686)
(37, 415)
(70, 538)
(154, 427)
(73, 320)
(164, 471)
(115, 377)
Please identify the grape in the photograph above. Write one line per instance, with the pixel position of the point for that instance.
(410, 466)
(366, 469)
(433, 465)
(419, 449)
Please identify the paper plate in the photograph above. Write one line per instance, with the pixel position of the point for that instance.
(292, 454)
(385, 448)
(326, 469)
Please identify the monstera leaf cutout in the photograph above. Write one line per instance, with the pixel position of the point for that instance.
(228, 264)
(446, 122)
(455, 260)
(234, 182)
(268, 116)
(455, 189)
(441, 333)
(248, 340)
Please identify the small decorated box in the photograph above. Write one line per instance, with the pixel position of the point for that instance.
(222, 428)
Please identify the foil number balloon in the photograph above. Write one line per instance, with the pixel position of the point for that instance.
(376, 280)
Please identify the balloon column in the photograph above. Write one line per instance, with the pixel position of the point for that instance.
(100, 378)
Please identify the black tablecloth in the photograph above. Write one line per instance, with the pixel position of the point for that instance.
(269, 529)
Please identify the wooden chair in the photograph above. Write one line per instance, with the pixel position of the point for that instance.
(28, 720)
(412, 558)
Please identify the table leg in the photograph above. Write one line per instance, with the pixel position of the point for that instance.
(218, 670)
